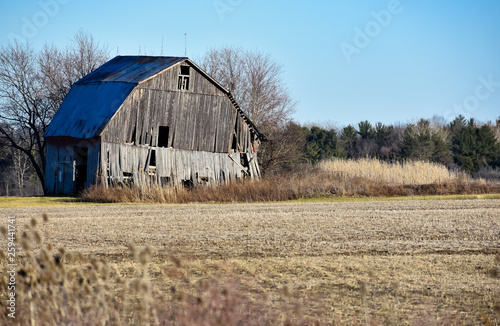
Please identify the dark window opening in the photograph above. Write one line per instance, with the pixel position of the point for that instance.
(188, 184)
(244, 160)
(245, 164)
(152, 158)
(183, 82)
(179, 83)
(163, 132)
(234, 143)
(128, 178)
(185, 70)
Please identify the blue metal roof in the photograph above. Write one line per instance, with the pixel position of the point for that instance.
(94, 99)
(87, 109)
(130, 69)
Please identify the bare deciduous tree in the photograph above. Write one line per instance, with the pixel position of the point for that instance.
(24, 115)
(33, 85)
(255, 82)
(21, 167)
(284, 152)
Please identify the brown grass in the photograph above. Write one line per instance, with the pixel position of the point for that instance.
(365, 178)
(375, 263)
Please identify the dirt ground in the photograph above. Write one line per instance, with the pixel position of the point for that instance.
(378, 262)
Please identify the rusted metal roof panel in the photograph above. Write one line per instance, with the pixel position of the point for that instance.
(87, 109)
(129, 69)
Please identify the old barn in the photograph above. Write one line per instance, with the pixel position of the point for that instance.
(149, 120)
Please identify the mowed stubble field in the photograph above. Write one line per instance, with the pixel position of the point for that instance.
(382, 262)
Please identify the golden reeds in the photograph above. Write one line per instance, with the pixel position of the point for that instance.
(398, 173)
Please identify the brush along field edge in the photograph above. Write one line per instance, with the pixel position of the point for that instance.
(411, 262)
(345, 178)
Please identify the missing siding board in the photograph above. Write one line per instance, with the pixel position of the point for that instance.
(163, 134)
(215, 142)
(165, 181)
(134, 134)
(234, 143)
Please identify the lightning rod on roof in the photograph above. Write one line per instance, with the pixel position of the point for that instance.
(185, 44)
(161, 52)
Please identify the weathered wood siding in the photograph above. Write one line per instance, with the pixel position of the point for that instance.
(200, 119)
(202, 122)
(126, 161)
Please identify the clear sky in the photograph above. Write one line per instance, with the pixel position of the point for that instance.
(343, 61)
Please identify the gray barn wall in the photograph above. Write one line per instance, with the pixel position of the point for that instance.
(60, 167)
(202, 118)
(201, 122)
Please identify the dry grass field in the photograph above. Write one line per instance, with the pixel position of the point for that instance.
(328, 263)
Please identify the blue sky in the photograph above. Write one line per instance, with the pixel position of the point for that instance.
(343, 61)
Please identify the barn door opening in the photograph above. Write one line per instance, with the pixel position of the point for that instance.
(80, 172)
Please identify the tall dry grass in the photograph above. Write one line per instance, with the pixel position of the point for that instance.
(365, 177)
(398, 173)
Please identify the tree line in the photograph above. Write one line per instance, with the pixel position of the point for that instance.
(461, 144)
